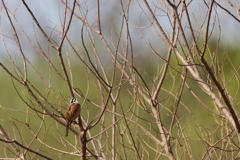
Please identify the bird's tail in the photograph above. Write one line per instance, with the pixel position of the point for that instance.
(66, 134)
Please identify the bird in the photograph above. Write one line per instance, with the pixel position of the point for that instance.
(72, 113)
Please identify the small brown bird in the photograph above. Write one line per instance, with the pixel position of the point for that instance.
(72, 113)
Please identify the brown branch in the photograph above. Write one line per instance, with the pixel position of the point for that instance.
(67, 28)
(12, 141)
(39, 26)
(226, 10)
(18, 152)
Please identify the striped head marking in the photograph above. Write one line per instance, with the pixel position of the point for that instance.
(73, 100)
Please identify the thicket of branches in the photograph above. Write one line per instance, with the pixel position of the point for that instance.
(149, 84)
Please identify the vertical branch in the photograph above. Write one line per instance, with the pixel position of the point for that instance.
(65, 31)
(207, 28)
(99, 17)
(59, 49)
